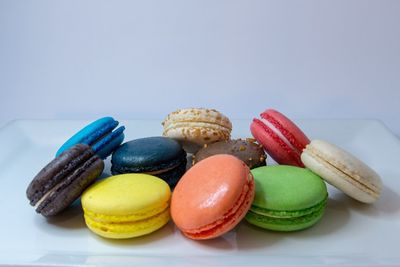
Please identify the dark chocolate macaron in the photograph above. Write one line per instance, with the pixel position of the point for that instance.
(247, 150)
(159, 156)
(63, 180)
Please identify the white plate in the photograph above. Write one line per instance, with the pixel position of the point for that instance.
(350, 233)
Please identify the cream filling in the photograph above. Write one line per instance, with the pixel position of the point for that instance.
(278, 133)
(196, 125)
(161, 171)
(46, 195)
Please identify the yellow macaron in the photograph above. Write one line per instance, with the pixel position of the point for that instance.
(126, 205)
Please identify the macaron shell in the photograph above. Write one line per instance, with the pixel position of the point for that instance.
(286, 151)
(285, 224)
(201, 115)
(173, 176)
(192, 135)
(287, 188)
(126, 205)
(83, 136)
(160, 156)
(55, 171)
(247, 150)
(127, 229)
(292, 132)
(275, 147)
(194, 127)
(231, 219)
(287, 198)
(63, 180)
(147, 155)
(70, 190)
(343, 170)
(208, 191)
(108, 143)
(99, 135)
(138, 195)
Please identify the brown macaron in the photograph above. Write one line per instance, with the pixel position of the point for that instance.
(246, 150)
(63, 180)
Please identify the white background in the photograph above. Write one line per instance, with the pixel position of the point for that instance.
(144, 59)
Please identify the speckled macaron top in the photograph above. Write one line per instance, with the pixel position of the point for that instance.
(194, 127)
(246, 150)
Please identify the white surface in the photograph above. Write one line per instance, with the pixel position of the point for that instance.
(143, 59)
(350, 233)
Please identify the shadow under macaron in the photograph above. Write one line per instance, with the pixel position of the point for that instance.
(107, 169)
(155, 236)
(70, 218)
(224, 242)
(387, 204)
(335, 217)
(250, 237)
(189, 161)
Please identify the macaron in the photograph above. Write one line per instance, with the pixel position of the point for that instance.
(287, 198)
(99, 135)
(160, 156)
(194, 127)
(246, 150)
(126, 205)
(342, 170)
(212, 197)
(63, 180)
(280, 137)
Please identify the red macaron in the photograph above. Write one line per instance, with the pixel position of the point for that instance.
(280, 137)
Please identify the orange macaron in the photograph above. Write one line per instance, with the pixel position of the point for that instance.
(212, 197)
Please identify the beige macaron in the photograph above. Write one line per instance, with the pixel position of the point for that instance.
(194, 127)
(342, 170)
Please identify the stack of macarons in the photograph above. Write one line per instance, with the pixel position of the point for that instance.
(226, 181)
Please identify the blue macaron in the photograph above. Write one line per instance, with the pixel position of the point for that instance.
(159, 156)
(100, 135)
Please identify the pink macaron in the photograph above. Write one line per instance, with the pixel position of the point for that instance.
(212, 197)
(280, 137)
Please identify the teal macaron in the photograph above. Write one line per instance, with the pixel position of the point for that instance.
(157, 155)
(287, 198)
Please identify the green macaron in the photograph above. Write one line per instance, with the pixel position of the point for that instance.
(287, 198)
